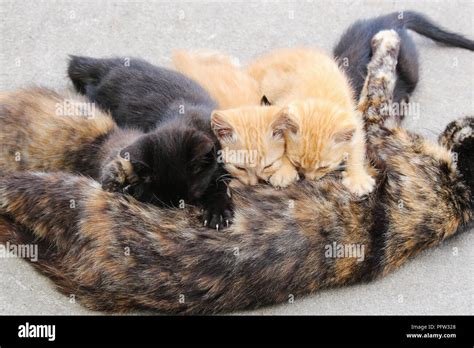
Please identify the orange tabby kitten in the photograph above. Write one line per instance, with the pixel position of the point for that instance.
(252, 136)
(325, 128)
(253, 143)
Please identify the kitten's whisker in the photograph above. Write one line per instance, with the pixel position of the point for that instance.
(223, 177)
(434, 132)
(161, 202)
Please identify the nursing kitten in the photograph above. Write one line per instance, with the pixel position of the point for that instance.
(251, 136)
(353, 50)
(326, 132)
(282, 248)
(253, 144)
(44, 131)
(142, 96)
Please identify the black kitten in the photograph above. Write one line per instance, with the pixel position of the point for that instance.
(354, 48)
(175, 163)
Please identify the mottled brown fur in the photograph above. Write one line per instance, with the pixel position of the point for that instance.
(40, 133)
(116, 254)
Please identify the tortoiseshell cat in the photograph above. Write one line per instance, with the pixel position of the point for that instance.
(277, 246)
(44, 131)
(325, 132)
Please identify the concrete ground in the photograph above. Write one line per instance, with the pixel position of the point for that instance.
(36, 37)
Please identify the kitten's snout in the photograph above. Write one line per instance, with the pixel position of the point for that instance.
(314, 176)
(252, 181)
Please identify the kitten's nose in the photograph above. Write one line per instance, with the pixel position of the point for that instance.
(253, 180)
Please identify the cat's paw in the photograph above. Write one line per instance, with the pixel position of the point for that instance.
(113, 177)
(359, 184)
(284, 177)
(217, 218)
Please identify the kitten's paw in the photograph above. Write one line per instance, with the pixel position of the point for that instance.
(284, 177)
(386, 39)
(359, 184)
(218, 218)
(113, 178)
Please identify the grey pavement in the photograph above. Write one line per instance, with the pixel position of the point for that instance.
(36, 37)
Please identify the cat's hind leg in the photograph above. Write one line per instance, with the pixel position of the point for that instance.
(459, 138)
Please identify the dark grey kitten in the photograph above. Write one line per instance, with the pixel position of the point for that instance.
(353, 50)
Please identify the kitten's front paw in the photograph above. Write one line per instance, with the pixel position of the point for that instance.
(217, 217)
(359, 184)
(113, 177)
(284, 177)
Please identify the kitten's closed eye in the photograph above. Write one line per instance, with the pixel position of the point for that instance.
(295, 163)
(272, 165)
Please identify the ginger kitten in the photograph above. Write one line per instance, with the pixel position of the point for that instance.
(325, 131)
(251, 136)
(253, 144)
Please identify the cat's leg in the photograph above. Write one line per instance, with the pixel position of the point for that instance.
(374, 104)
(117, 174)
(356, 177)
(377, 94)
(285, 175)
(217, 203)
(458, 137)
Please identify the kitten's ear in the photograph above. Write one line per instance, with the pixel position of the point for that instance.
(265, 101)
(220, 126)
(136, 154)
(344, 136)
(285, 122)
(203, 149)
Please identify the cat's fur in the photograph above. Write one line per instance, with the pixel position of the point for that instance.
(277, 247)
(251, 136)
(353, 49)
(38, 133)
(325, 128)
(229, 85)
(253, 143)
(142, 96)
